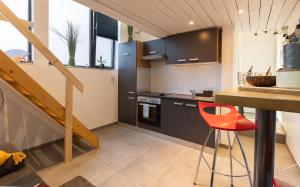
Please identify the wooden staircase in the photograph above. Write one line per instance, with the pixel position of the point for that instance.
(29, 88)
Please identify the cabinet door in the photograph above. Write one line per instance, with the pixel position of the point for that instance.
(175, 51)
(196, 128)
(127, 83)
(173, 117)
(155, 47)
(194, 47)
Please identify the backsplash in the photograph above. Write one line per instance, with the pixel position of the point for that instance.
(182, 78)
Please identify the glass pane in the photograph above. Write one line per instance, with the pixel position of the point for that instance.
(10, 37)
(104, 49)
(59, 13)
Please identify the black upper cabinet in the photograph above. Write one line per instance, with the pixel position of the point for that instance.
(194, 47)
(154, 49)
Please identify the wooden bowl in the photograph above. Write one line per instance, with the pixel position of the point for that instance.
(261, 81)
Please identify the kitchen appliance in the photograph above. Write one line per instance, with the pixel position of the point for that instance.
(149, 110)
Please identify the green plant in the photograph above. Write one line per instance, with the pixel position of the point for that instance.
(101, 61)
(71, 38)
(130, 33)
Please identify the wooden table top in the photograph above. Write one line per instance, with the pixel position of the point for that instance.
(267, 101)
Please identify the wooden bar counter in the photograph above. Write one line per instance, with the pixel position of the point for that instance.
(266, 105)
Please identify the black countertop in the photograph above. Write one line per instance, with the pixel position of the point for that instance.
(175, 96)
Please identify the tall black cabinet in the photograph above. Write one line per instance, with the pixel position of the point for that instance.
(129, 62)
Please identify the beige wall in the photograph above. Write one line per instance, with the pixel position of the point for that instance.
(97, 106)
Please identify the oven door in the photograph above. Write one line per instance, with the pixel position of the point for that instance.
(149, 113)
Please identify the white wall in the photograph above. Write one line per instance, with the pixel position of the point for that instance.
(97, 106)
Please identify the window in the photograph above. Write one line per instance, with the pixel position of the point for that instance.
(103, 41)
(10, 37)
(60, 12)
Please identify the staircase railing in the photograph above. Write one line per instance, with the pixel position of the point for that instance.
(71, 80)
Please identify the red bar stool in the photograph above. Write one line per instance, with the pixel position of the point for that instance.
(232, 121)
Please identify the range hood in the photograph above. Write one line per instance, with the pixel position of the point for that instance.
(155, 57)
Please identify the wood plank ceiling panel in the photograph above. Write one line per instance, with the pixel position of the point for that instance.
(169, 14)
(286, 12)
(222, 10)
(266, 8)
(180, 15)
(114, 10)
(233, 13)
(245, 17)
(211, 11)
(294, 18)
(254, 11)
(197, 7)
(274, 14)
(190, 12)
(143, 10)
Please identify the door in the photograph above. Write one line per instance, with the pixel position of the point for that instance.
(173, 118)
(127, 101)
(196, 128)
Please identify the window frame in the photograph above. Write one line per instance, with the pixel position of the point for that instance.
(29, 45)
(93, 44)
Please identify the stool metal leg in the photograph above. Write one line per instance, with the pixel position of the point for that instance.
(230, 159)
(200, 156)
(245, 159)
(215, 159)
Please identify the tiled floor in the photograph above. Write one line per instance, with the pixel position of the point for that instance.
(130, 158)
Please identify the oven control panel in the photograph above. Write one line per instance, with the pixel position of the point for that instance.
(152, 100)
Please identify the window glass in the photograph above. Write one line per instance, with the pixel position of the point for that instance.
(60, 12)
(10, 37)
(105, 48)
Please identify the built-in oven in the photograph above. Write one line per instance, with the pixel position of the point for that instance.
(149, 110)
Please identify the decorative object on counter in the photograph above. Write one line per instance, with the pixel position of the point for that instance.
(102, 62)
(71, 38)
(288, 78)
(291, 56)
(205, 93)
(130, 33)
(261, 80)
(241, 78)
(18, 55)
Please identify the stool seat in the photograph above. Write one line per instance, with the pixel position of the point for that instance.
(231, 121)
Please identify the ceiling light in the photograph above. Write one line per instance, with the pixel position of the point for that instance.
(191, 22)
(241, 11)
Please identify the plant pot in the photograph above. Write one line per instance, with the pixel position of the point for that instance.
(71, 61)
(101, 66)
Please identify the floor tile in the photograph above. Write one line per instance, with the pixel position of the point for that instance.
(118, 180)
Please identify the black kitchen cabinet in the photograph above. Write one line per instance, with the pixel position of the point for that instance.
(172, 118)
(194, 47)
(154, 49)
(196, 129)
(127, 80)
(181, 119)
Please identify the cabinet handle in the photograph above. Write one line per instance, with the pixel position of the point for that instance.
(131, 92)
(193, 59)
(126, 54)
(181, 60)
(152, 52)
(176, 103)
(131, 98)
(191, 105)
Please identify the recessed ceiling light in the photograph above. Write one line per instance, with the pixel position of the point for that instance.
(191, 22)
(241, 11)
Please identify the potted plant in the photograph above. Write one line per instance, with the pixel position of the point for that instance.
(101, 61)
(130, 33)
(71, 38)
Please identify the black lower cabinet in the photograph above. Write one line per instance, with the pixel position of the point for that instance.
(181, 119)
(172, 118)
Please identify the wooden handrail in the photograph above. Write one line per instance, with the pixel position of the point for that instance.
(14, 20)
(25, 22)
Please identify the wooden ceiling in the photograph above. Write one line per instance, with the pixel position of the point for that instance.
(166, 17)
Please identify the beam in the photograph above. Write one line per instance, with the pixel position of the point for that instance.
(25, 22)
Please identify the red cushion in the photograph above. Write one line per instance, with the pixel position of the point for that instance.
(232, 121)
